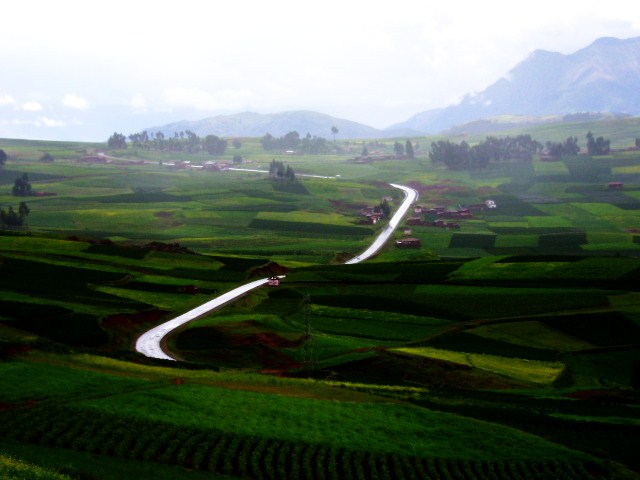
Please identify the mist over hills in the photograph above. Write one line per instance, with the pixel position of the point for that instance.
(603, 77)
(250, 124)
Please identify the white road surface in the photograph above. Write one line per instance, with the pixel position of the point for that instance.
(150, 342)
(410, 196)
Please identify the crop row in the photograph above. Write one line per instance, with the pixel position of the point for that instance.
(256, 457)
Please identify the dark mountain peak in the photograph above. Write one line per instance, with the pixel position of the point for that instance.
(602, 77)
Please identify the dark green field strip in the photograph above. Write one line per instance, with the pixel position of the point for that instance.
(602, 329)
(614, 441)
(238, 264)
(74, 329)
(310, 227)
(496, 228)
(472, 240)
(12, 267)
(387, 304)
(259, 457)
(136, 253)
(540, 258)
(9, 177)
(165, 288)
(464, 342)
(569, 239)
(371, 329)
(422, 272)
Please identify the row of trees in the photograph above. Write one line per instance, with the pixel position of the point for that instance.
(563, 149)
(462, 156)
(11, 218)
(293, 142)
(521, 148)
(186, 141)
(405, 150)
(597, 146)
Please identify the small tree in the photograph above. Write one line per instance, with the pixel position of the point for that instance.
(21, 187)
(237, 159)
(408, 148)
(385, 208)
(47, 157)
(398, 149)
(365, 151)
(334, 131)
(3, 157)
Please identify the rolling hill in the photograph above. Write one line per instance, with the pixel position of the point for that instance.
(250, 124)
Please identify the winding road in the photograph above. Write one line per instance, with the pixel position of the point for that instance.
(150, 342)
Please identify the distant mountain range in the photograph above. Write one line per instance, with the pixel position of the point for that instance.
(601, 78)
(250, 124)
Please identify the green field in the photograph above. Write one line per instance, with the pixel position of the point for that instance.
(507, 347)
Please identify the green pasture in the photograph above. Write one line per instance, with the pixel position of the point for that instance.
(532, 371)
(358, 425)
(531, 333)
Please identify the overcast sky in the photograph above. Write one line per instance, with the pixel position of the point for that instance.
(80, 70)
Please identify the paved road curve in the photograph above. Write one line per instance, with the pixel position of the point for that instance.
(410, 196)
(149, 343)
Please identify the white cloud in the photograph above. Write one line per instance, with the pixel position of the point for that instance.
(38, 122)
(72, 100)
(31, 106)
(49, 122)
(6, 100)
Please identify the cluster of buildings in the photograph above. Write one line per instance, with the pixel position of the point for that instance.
(439, 217)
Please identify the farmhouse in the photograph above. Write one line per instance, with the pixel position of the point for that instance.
(414, 221)
(408, 243)
(615, 185)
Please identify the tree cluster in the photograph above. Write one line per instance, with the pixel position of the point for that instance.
(186, 141)
(278, 171)
(597, 146)
(563, 149)
(21, 187)
(117, 141)
(292, 141)
(462, 156)
(10, 218)
(214, 145)
(405, 150)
